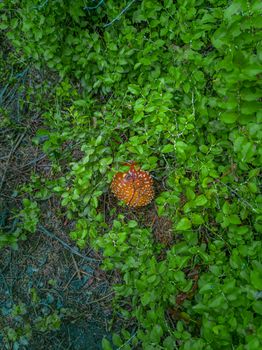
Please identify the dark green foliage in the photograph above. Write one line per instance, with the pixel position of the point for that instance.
(174, 86)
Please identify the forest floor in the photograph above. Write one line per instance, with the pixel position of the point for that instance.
(47, 271)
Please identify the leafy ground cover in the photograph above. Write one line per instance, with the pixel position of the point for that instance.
(175, 87)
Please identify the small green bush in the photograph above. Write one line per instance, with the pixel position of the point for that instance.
(24, 223)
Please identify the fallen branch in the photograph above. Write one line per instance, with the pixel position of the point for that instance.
(43, 230)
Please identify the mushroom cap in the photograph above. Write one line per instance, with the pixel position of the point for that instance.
(134, 187)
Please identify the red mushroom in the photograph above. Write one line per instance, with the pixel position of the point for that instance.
(134, 187)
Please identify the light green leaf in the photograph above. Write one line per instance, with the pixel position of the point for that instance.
(200, 200)
(234, 219)
(132, 224)
(229, 117)
(218, 301)
(168, 148)
(256, 279)
(106, 344)
(146, 298)
(197, 219)
(183, 225)
(134, 89)
(156, 333)
(257, 307)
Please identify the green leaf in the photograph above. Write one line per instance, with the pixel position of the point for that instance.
(256, 279)
(183, 225)
(137, 117)
(146, 298)
(247, 151)
(117, 340)
(140, 149)
(207, 288)
(109, 251)
(134, 89)
(132, 224)
(217, 302)
(232, 10)
(229, 117)
(257, 307)
(234, 219)
(200, 200)
(190, 194)
(235, 260)
(226, 208)
(197, 219)
(3, 26)
(186, 87)
(151, 279)
(106, 161)
(106, 345)
(168, 148)
(156, 333)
